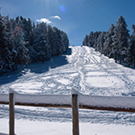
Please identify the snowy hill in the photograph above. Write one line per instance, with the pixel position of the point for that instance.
(82, 68)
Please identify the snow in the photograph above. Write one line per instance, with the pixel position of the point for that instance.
(56, 128)
(108, 101)
(4, 97)
(11, 91)
(75, 92)
(85, 70)
(28, 85)
(48, 99)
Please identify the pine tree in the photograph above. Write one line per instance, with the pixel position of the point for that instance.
(57, 41)
(85, 41)
(91, 39)
(120, 40)
(50, 39)
(131, 57)
(5, 49)
(95, 37)
(22, 53)
(108, 45)
(27, 28)
(65, 41)
(41, 45)
(100, 42)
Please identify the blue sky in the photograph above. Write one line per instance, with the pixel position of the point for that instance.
(75, 17)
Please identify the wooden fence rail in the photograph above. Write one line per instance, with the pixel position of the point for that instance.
(124, 104)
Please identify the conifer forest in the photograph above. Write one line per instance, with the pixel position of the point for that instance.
(115, 43)
(23, 42)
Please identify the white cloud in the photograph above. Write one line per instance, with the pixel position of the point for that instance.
(56, 17)
(44, 20)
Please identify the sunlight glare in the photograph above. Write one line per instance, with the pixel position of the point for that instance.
(62, 8)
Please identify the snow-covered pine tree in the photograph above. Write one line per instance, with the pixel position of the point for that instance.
(32, 35)
(100, 42)
(85, 41)
(22, 53)
(57, 41)
(131, 56)
(13, 26)
(65, 41)
(27, 23)
(108, 47)
(5, 49)
(95, 37)
(41, 45)
(32, 53)
(50, 39)
(9, 26)
(120, 40)
(91, 39)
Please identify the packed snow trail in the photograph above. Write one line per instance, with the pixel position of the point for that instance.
(82, 68)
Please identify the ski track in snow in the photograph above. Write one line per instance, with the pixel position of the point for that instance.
(81, 68)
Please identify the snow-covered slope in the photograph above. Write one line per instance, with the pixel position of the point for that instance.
(81, 68)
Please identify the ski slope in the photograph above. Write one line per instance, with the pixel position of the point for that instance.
(81, 68)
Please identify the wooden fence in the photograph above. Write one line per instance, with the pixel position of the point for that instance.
(88, 103)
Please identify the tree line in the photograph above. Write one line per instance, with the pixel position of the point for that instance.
(22, 42)
(115, 43)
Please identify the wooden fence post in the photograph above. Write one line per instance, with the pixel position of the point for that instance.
(11, 114)
(75, 118)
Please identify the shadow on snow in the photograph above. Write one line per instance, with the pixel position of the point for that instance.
(38, 68)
